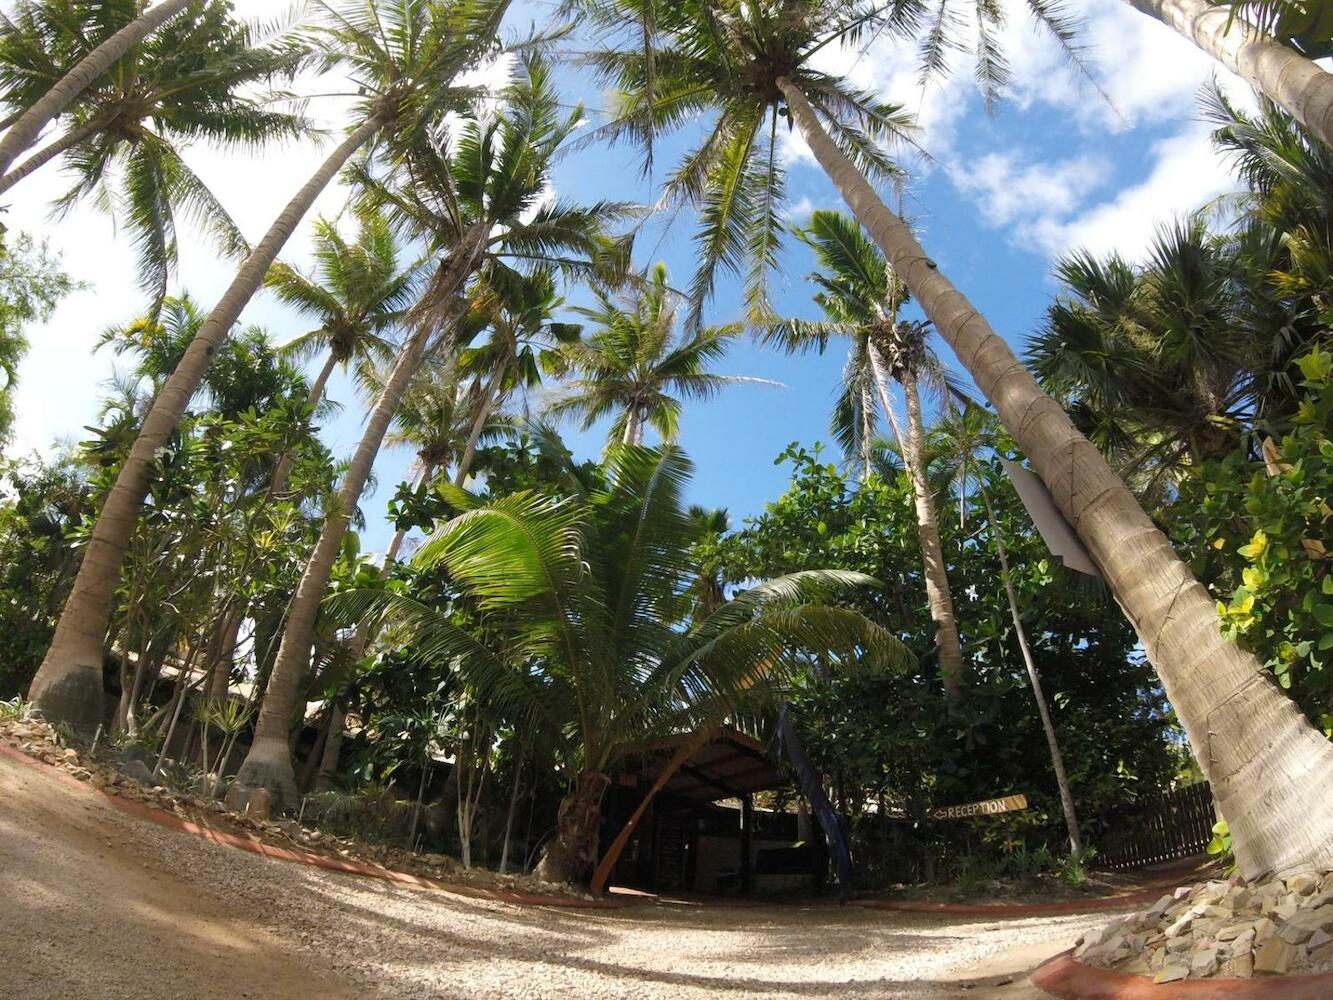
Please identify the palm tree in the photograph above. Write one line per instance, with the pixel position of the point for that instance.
(1162, 361)
(635, 368)
(479, 204)
(522, 339)
(861, 298)
(24, 130)
(579, 600)
(749, 64)
(403, 56)
(358, 293)
(957, 440)
(1282, 73)
(195, 79)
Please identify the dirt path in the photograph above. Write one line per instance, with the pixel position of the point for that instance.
(97, 904)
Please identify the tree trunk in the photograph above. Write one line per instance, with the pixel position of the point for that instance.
(484, 407)
(571, 855)
(49, 152)
(938, 594)
(333, 743)
(1270, 770)
(1293, 82)
(68, 685)
(268, 764)
(509, 817)
(284, 470)
(1057, 758)
(24, 132)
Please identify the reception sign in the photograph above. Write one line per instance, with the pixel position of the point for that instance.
(990, 807)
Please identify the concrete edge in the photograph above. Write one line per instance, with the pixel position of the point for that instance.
(1063, 976)
(255, 845)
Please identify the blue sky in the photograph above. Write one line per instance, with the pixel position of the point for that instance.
(1055, 168)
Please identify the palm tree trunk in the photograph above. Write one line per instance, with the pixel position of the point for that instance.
(509, 817)
(1293, 82)
(68, 685)
(631, 427)
(938, 595)
(1271, 772)
(571, 854)
(24, 132)
(268, 764)
(489, 395)
(1057, 758)
(49, 152)
(284, 470)
(328, 758)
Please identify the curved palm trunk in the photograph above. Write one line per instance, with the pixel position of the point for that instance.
(938, 595)
(24, 132)
(1296, 84)
(1057, 758)
(283, 472)
(48, 153)
(490, 395)
(68, 685)
(1270, 770)
(269, 765)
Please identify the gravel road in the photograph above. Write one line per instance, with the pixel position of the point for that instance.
(98, 904)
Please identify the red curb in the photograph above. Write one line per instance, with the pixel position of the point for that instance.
(254, 845)
(1062, 976)
(1014, 909)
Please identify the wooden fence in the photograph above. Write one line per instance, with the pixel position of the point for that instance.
(1180, 826)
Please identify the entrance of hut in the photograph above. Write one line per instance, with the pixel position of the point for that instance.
(702, 831)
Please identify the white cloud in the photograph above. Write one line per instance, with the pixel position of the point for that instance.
(1186, 174)
(1007, 191)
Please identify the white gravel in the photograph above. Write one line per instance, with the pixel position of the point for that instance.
(94, 903)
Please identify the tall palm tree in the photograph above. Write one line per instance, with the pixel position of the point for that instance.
(198, 78)
(403, 56)
(358, 293)
(580, 597)
(861, 298)
(634, 366)
(478, 202)
(749, 64)
(958, 440)
(1281, 72)
(521, 340)
(40, 35)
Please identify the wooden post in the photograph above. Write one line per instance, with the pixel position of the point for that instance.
(686, 751)
(747, 828)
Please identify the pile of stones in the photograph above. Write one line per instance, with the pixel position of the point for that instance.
(1223, 930)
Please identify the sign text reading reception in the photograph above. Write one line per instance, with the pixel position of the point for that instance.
(991, 807)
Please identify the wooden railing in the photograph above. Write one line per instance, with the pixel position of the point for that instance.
(1181, 825)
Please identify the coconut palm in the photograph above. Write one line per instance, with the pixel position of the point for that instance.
(196, 79)
(635, 368)
(521, 340)
(403, 56)
(578, 598)
(358, 293)
(860, 298)
(1283, 73)
(39, 31)
(477, 202)
(747, 64)
(957, 443)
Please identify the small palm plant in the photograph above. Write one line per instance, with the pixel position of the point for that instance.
(578, 601)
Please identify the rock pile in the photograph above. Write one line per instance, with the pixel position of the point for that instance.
(1224, 930)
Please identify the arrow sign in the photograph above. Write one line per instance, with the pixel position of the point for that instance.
(990, 807)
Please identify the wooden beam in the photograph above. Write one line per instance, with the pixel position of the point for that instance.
(687, 750)
(747, 833)
(704, 779)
